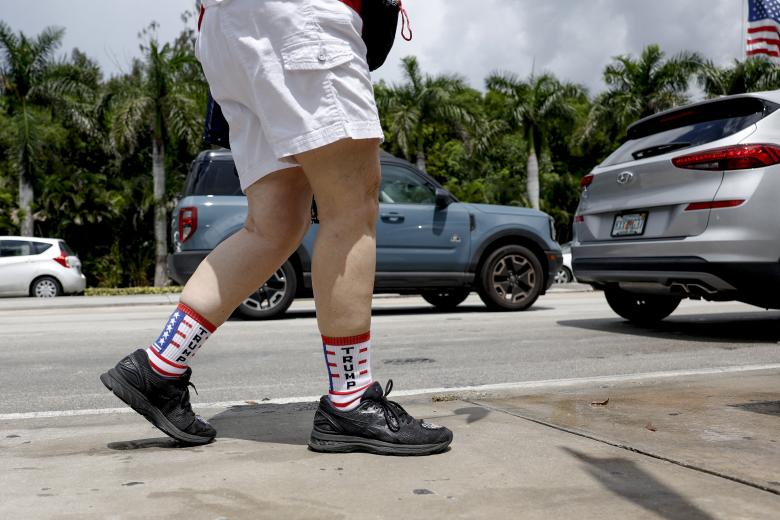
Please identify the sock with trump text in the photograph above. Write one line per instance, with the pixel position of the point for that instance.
(184, 333)
(348, 360)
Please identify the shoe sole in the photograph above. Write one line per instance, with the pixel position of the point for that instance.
(330, 443)
(121, 388)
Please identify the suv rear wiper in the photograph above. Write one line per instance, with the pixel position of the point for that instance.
(659, 149)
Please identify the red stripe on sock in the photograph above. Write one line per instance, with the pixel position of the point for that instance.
(335, 376)
(168, 361)
(185, 323)
(332, 365)
(328, 352)
(363, 350)
(197, 317)
(348, 340)
(180, 333)
(175, 344)
(163, 372)
(344, 405)
(362, 362)
(363, 372)
(333, 392)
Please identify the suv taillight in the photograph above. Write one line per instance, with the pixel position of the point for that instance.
(738, 157)
(62, 259)
(188, 223)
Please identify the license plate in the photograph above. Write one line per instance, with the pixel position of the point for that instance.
(629, 224)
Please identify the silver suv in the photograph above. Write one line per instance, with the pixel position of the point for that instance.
(687, 207)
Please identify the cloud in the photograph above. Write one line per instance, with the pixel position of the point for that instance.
(573, 39)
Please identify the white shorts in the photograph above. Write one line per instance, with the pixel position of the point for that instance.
(290, 76)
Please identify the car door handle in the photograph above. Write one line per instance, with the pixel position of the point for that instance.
(392, 218)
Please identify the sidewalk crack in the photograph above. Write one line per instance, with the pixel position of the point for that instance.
(627, 447)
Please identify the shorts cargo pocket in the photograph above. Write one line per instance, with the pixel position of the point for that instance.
(316, 54)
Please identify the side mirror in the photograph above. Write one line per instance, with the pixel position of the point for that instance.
(443, 198)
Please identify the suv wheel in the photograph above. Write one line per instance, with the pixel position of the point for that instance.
(643, 309)
(45, 287)
(274, 297)
(510, 279)
(446, 299)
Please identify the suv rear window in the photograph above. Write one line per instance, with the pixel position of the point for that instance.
(213, 178)
(689, 126)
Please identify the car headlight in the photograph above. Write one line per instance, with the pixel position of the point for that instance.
(552, 229)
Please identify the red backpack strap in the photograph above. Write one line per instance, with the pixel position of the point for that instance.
(406, 25)
(200, 16)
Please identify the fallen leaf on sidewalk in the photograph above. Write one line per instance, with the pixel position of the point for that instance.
(650, 427)
(600, 403)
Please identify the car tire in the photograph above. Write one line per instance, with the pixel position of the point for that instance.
(446, 299)
(643, 309)
(274, 297)
(45, 287)
(564, 275)
(511, 279)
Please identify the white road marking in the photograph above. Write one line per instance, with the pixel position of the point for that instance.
(499, 387)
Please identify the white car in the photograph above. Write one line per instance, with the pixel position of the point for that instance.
(42, 267)
(565, 273)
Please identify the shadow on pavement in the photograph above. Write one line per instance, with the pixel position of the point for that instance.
(274, 423)
(473, 413)
(143, 444)
(624, 478)
(721, 328)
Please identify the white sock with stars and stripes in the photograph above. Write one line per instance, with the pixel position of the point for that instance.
(348, 361)
(184, 333)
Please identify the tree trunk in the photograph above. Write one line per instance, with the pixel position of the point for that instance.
(160, 214)
(421, 160)
(25, 203)
(532, 178)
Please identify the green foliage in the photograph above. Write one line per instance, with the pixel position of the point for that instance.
(85, 142)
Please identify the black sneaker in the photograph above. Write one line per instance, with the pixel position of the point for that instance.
(164, 402)
(376, 426)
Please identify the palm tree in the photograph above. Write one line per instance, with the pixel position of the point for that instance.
(641, 87)
(422, 100)
(751, 75)
(29, 83)
(534, 106)
(152, 103)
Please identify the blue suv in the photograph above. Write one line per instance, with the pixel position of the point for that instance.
(428, 243)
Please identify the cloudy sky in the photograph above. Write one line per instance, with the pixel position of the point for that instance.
(572, 38)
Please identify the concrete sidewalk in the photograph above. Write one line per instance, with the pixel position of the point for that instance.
(686, 448)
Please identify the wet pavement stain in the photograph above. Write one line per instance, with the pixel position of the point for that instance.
(134, 483)
(423, 492)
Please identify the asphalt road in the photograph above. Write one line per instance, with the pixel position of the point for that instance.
(50, 359)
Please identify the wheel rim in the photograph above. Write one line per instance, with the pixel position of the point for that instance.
(513, 278)
(562, 276)
(46, 289)
(270, 294)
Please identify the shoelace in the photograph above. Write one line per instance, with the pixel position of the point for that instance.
(185, 395)
(392, 409)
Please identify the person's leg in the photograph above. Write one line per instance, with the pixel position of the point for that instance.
(154, 382)
(277, 219)
(355, 415)
(345, 179)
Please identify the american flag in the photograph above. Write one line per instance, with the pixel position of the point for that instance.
(763, 29)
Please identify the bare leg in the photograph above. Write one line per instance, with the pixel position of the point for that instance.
(277, 219)
(345, 178)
